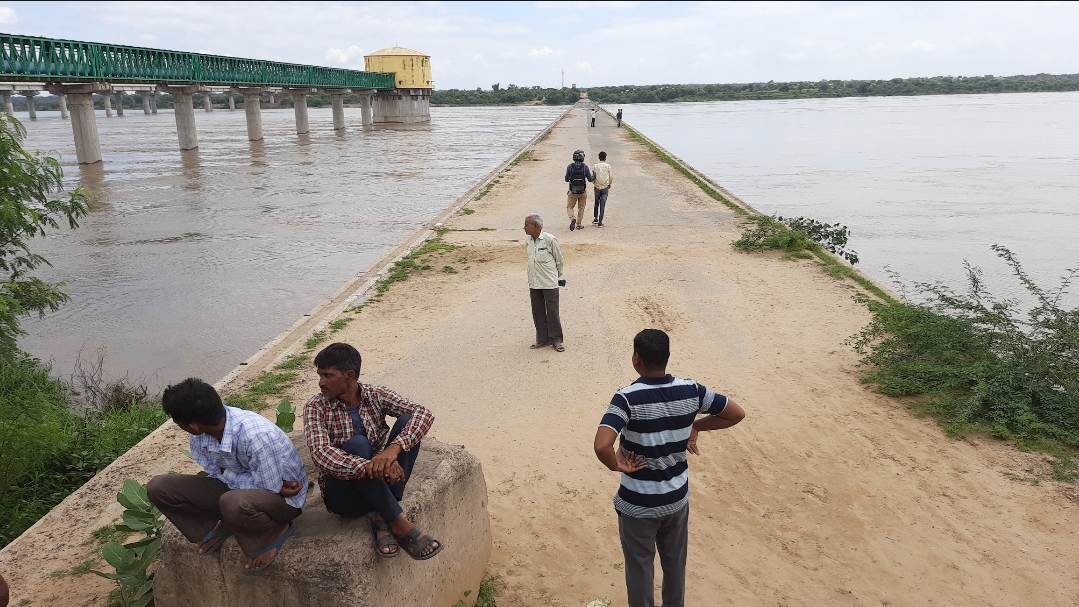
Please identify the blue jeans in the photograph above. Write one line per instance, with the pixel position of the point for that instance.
(601, 203)
(356, 497)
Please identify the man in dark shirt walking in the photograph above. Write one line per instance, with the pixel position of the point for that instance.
(657, 418)
(578, 176)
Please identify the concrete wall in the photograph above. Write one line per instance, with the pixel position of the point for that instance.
(402, 106)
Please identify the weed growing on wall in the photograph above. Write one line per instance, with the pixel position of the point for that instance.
(131, 561)
(984, 364)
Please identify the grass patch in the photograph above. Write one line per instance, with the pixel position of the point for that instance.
(316, 338)
(81, 568)
(678, 166)
(448, 270)
(525, 155)
(340, 323)
(487, 189)
(977, 363)
(267, 385)
(490, 588)
(293, 362)
(105, 534)
(467, 211)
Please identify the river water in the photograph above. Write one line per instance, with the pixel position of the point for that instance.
(192, 261)
(924, 183)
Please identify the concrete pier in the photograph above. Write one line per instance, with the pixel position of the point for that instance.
(153, 103)
(108, 104)
(299, 105)
(365, 110)
(84, 127)
(30, 104)
(184, 108)
(8, 107)
(146, 103)
(120, 104)
(232, 102)
(338, 111)
(63, 106)
(208, 101)
(253, 109)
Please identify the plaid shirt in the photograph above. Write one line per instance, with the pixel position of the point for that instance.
(253, 454)
(328, 425)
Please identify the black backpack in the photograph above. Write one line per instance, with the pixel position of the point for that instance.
(577, 181)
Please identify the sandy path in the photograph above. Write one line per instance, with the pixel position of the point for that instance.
(827, 494)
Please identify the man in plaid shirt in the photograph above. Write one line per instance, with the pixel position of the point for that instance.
(363, 463)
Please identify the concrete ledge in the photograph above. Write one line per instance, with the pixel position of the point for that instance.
(330, 561)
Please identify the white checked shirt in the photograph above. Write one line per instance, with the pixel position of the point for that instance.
(253, 454)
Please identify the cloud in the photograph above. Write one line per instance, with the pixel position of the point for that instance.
(342, 57)
(7, 15)
(922, 45)
(541, 52)
(585, 66)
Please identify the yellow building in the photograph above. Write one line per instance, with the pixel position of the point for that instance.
(412, 69)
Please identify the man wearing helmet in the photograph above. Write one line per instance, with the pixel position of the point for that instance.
(578, 176)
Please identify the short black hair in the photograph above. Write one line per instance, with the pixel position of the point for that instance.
(603, 155)
(193, 401)
(340, 356)
(654, 348)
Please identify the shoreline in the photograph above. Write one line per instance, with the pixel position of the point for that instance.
(827, 494)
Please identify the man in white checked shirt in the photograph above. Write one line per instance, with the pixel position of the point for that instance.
(255, 483)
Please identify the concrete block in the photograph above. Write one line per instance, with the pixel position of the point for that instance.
(330, 561)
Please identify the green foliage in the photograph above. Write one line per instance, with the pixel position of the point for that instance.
(131, 561)
(28, 183)
(467, 211)
(292, 362)
(286, 415)
(448, 270)
(266, 385)
(340, 323)
(486, 189)
(490, 587)
(831, 237)
(316, 338)
(507, 96)
(798, 237)
(940, 85)
(984, 364)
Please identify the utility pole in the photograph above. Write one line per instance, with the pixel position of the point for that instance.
(563, 78)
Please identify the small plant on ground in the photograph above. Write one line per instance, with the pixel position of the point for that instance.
(131, 561)
(286, 415)
(984, 364)
(797, 237)
(467, 211)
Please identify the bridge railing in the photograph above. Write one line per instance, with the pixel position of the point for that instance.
(28, 58)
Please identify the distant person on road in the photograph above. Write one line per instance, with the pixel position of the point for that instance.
(593, 116)
(604, 179)
(619, 117)
(364, 464)
(544, 270)
(657, 418)
(577, 176)
(255, 483)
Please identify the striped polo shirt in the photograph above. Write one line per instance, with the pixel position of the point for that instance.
(655, 416)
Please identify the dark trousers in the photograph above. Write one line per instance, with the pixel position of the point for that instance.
(640, 538)
(355, 498)
(545, 315)
(593, 121)
(195, 504)
(601, 202)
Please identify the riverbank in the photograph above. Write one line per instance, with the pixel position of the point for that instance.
(827, 494)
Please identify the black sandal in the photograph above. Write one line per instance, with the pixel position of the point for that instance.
(381, 541)
(415, 541)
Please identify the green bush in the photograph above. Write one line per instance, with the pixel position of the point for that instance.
(983, 363)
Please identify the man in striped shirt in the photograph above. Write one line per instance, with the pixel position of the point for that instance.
(364, 464)
(657, 418)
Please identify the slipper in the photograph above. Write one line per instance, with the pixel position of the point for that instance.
(413, 543)
(572, 224)
(276, 544)
(385, 540)
(559, 347)
(220, 536)
(537, 345)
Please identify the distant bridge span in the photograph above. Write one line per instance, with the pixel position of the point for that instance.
(76, 70)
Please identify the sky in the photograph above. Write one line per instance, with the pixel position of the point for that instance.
(477, 44)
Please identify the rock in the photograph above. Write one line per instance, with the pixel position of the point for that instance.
(330, 561)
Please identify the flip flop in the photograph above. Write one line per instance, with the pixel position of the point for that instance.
(215, 534)
(385, 540)
(415, 541)
(559, 347)
(537, 346)
(276, 544)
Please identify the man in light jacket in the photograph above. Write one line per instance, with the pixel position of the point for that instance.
(604, 180)
(544, 269)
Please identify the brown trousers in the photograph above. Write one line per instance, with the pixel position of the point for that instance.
(195, 504)
(545, 315)
(576, 200)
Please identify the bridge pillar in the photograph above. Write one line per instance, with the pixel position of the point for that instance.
(153, 102)
(365, 110)
(62, 98)
(84, 127)
(8, 107)
(253, 109)
(30, 104)
(338, 111)
(232, 102)
(184, 110)
(120, 103)
(299, 105)
(209, 101)
(108, 104)
(146, 103)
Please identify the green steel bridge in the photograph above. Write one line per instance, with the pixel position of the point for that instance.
(32, 59)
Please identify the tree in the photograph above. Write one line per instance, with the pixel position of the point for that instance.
(28, 184)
